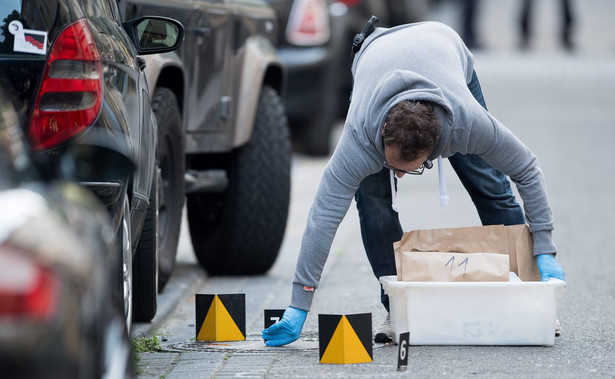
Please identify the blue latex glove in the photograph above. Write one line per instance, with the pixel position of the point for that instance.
(287, 330)
(548, 267)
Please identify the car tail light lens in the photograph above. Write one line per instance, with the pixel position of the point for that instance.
(350, 3)
(70, 97)
(308, 23)
(27, 289)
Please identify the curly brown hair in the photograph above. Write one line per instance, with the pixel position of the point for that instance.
(414, 127)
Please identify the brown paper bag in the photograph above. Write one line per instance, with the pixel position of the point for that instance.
(521, 253)
(454, 267)
(515, 241)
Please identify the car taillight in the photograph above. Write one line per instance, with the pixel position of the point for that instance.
(27, 289)
(70, 97)
(350, 3)
(308, 23)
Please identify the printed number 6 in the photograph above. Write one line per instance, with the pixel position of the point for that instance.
(403, 350)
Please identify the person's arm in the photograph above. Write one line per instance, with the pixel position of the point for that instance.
(350, 163)
(506, 153)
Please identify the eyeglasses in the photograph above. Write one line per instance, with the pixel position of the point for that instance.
(418, 171)
(428, 164)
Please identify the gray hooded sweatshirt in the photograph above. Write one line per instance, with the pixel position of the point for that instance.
(424, 61)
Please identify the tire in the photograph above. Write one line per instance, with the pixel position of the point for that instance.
(145, 264)
(170, 158)
(316, 138)
(239, 232)
(122, 288)
(115, 356)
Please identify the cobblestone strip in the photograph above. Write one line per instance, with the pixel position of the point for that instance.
(155, 365)
(245, 366)
(198, 365)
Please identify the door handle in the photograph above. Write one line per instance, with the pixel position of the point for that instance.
(142, 63)
(202, 31)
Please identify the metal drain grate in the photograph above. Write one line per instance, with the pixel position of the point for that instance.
(252, 344)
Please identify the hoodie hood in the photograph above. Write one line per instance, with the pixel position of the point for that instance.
(403, 85)
(387, 70)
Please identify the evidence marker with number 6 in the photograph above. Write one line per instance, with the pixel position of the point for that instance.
(402, 356)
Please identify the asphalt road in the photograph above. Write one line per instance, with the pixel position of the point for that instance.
(561, 105)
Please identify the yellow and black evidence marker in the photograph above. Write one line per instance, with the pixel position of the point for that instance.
(345, 339)
(220, 317)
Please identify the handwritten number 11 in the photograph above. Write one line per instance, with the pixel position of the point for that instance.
(452, 262)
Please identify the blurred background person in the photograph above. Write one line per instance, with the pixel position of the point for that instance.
(567, 24)
(468, 33)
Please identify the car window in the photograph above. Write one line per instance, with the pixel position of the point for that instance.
(10, 10)
(9, 6)
(25, 26)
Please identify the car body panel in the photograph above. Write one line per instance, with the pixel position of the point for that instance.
(228, 81)
(38, 44)
(225, 41)
(57, 228)
(259, 58)
(124, 115)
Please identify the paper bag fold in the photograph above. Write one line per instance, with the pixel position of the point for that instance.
(454, 267)
(515, 241)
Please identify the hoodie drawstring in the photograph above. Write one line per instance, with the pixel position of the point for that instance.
(393, 192)
(443, 196)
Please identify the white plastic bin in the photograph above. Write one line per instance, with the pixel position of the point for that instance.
(474, 313)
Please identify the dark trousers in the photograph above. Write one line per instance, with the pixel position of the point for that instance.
(380, 227)
(567, 23)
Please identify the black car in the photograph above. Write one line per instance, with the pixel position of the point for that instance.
(309, 44)
(58, 256)
(76, 74)
(315, 39)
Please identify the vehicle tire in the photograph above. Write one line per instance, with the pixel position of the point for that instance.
(145, 263)
(239, 232)
(115, 356)
(170, 158)
(316, 140)
(316, 131)
(122, 288)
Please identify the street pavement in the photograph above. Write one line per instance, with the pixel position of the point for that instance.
(561, 104)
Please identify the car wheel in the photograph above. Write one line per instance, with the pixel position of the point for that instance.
(239, 232)
(316, 139)
(145, 263)
(315, 131)
(122, 294)
(170, 157)
(116, 355)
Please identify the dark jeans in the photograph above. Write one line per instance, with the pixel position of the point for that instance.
(489, 189)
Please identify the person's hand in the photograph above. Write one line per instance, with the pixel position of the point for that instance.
(287, 330)
(548, 267)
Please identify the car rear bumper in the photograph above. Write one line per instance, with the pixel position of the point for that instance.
(307, 70)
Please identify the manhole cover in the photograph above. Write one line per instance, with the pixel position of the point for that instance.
(252, 344)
